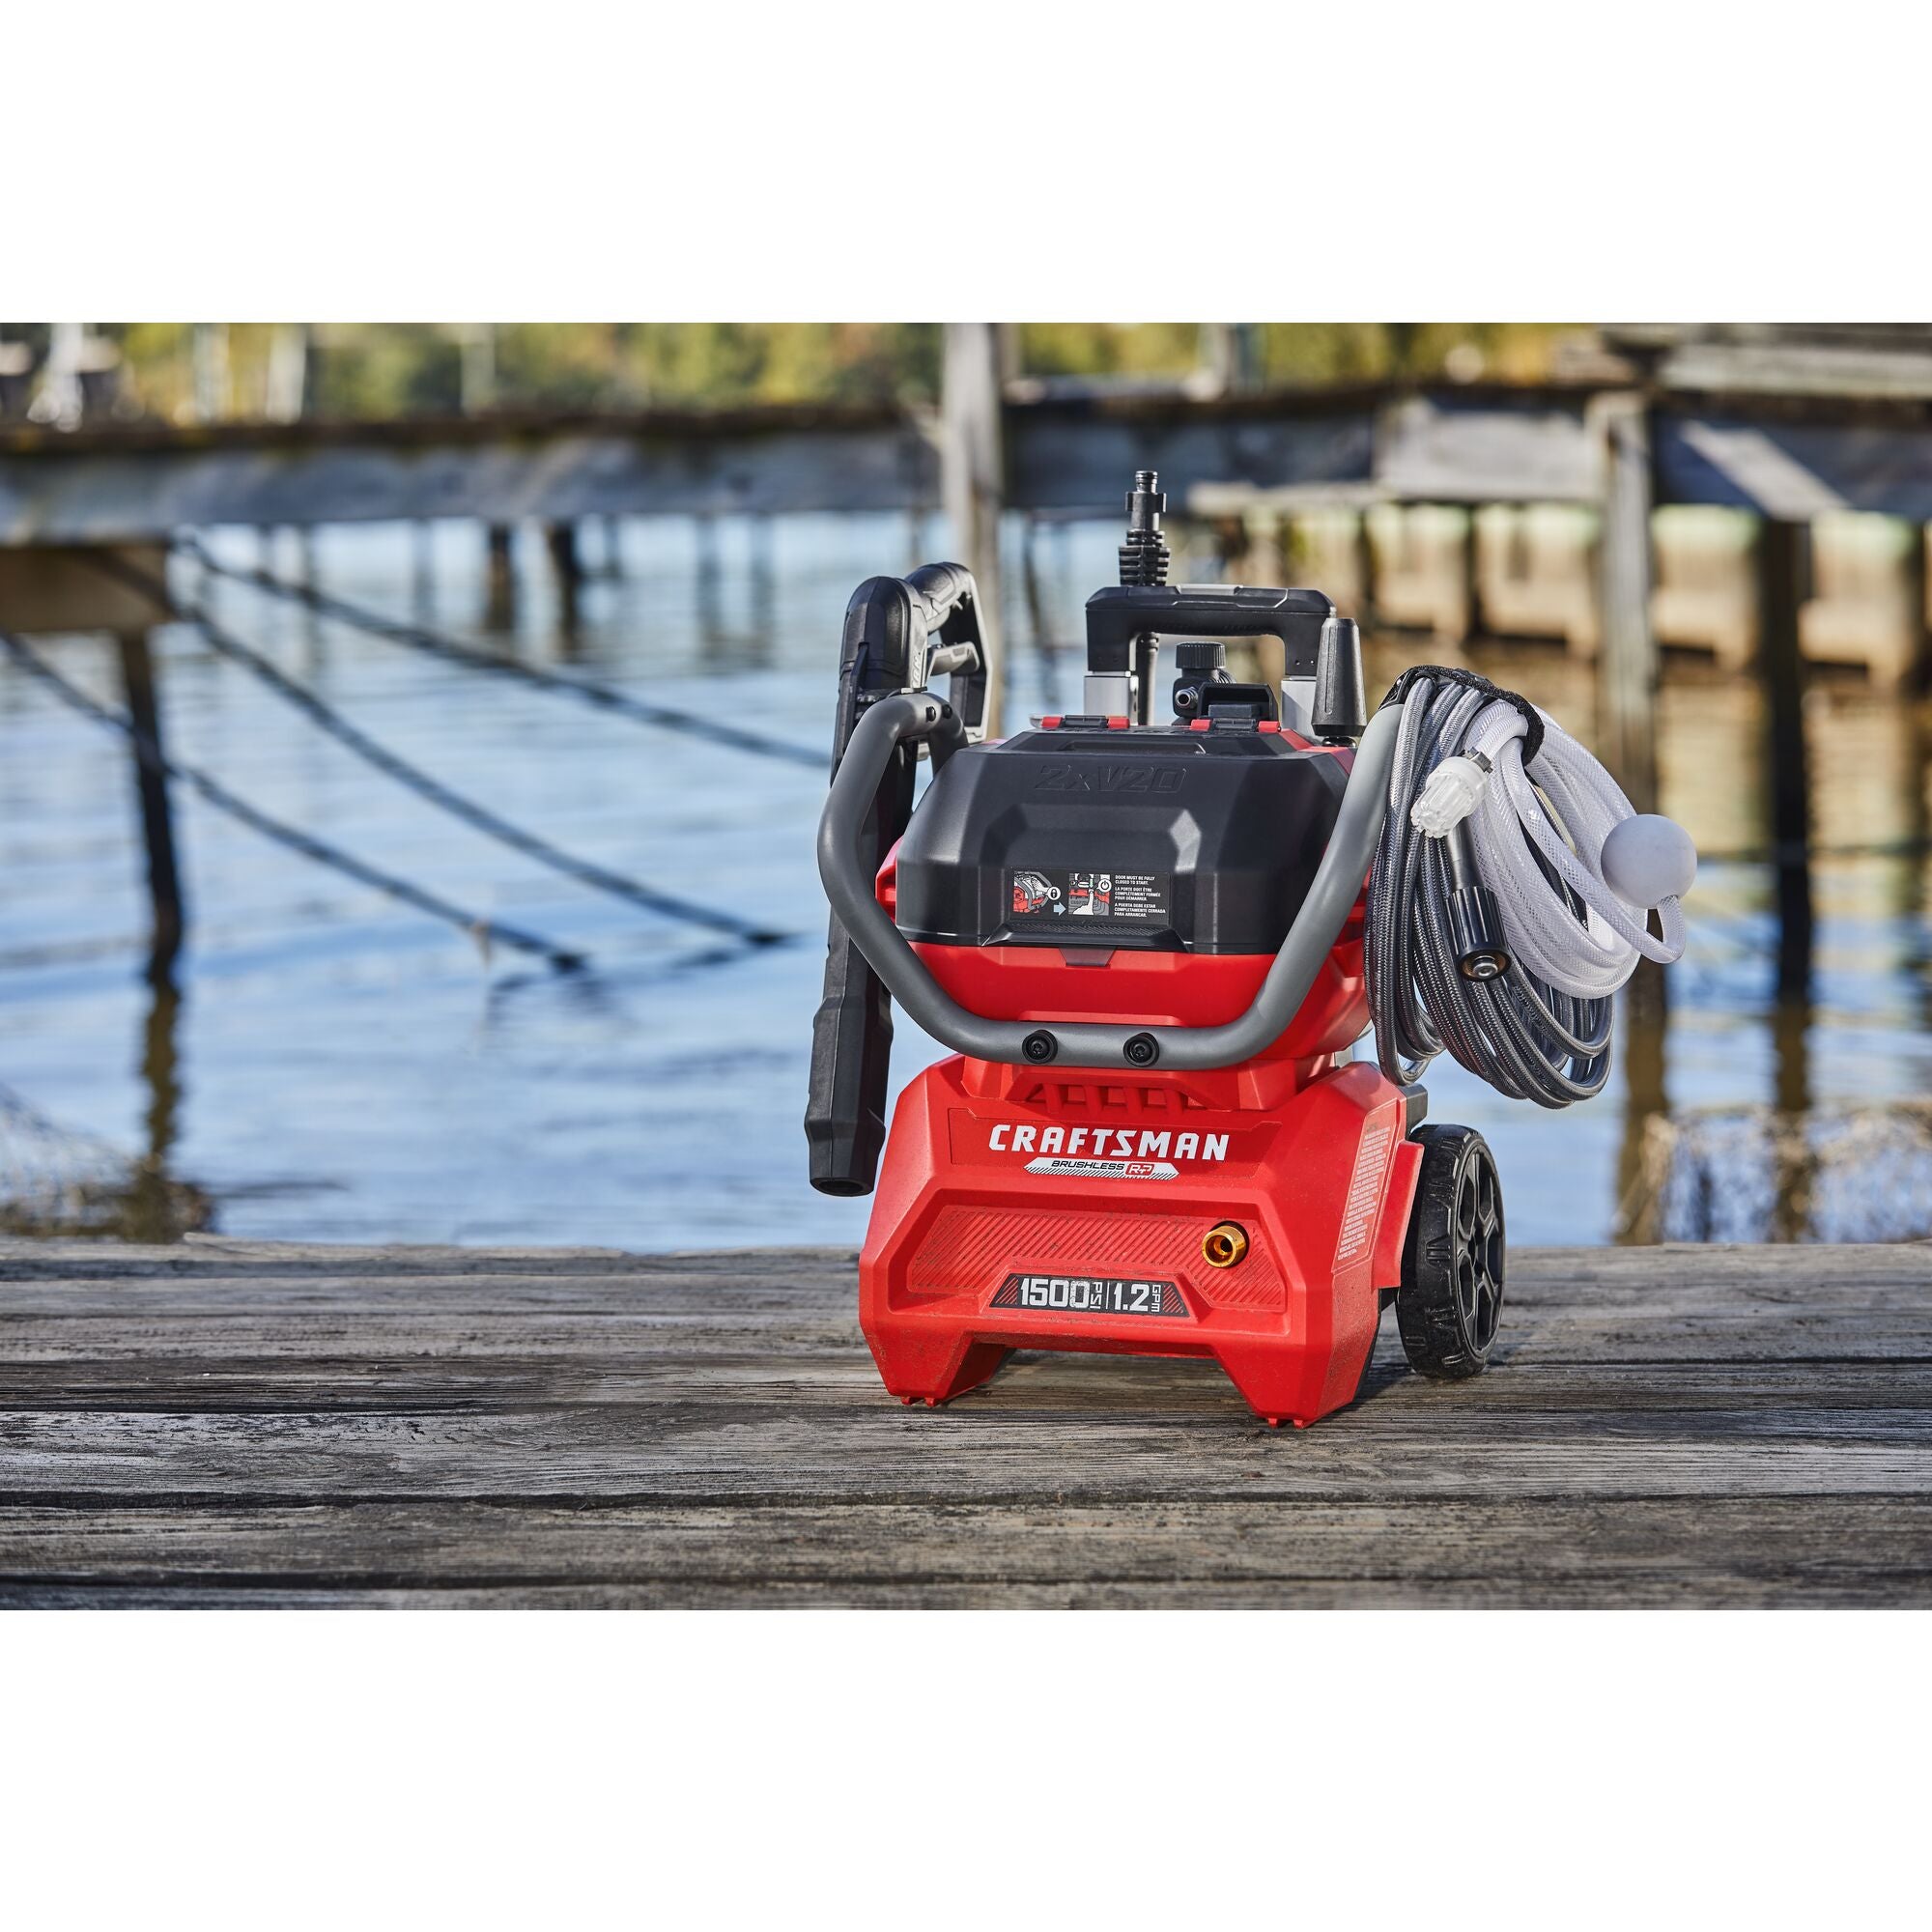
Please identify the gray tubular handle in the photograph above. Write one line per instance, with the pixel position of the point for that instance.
(1338, 883)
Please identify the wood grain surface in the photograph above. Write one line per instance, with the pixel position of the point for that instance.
(233, 1423)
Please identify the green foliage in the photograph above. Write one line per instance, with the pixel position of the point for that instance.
(1296, 353)
(1109, 347)
(727, 363)
(387, 369)
(383, 369)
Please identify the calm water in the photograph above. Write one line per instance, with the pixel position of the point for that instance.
(338, 1066)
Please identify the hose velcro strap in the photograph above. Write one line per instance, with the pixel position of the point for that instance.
(1469, 680)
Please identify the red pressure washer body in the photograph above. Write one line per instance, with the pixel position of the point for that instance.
(1253, 1214)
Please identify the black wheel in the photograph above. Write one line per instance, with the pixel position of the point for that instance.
(1451, 1295)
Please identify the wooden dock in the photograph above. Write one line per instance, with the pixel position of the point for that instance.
(228, 1423)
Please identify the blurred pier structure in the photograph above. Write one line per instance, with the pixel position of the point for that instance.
(1758, 492)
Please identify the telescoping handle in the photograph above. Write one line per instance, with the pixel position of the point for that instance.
(907, 716)
(900, 632)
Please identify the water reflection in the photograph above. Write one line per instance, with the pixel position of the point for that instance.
(155, 1207)
(331, 1067)
(1644, 1017)
(54, 1181)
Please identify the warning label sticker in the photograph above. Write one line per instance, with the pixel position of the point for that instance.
(1045, 894)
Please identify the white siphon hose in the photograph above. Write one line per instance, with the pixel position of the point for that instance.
(1493, 934)
(1588, 962)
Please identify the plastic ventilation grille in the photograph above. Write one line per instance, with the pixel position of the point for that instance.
(975, 1248)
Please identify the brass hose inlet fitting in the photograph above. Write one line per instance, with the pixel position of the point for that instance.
(1224, 1244)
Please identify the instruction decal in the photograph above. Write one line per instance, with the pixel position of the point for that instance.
(1043, 895)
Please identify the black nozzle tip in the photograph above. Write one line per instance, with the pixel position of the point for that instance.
(1476, 931)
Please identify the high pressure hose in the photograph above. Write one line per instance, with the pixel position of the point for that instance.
(1510, 894)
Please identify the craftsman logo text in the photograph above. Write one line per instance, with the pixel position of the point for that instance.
(1107, 1144)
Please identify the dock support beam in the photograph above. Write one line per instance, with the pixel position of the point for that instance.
(151, 794)
(973, 477)
(1627, 665)
(1781, 587)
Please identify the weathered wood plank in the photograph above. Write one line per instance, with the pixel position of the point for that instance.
(424, 1381)
(1650, 1551)
(234, 1422)
(1594, 1306)
(990, 1447)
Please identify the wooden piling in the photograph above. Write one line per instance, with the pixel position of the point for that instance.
(1794, 1164)
(153, 1210)
(1471, 621)
(424, 567)
(151, 794)
(1645, 1021)
(568, 565)
(762, 584)
(1365, 572)
(1781, 558)
(308, 575)
(1918, 656)
(1627, 665)
(710, 585)
(973, 477)
(500, 576)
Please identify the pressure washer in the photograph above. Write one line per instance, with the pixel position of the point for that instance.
(1153, 946)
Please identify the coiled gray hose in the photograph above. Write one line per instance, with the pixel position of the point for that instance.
(1527, 1039)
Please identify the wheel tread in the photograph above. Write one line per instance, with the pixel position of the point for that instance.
(1437, 1335)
